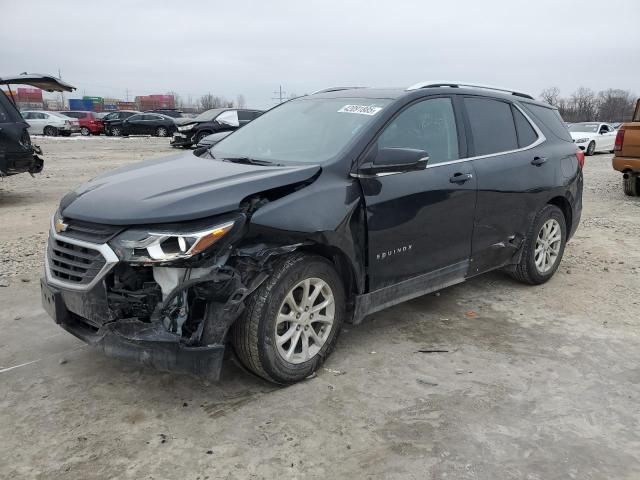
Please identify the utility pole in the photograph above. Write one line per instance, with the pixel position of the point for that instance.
(280, 95)
(61, 93)
(127, 94)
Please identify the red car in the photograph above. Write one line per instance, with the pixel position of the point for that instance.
(90, 124)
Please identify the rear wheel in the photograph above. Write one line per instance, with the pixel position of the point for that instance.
(161, 132)
(543, 247)
(85, 132)
(631, 185)
(591, 148)
(116, 131)
(50, 131)
(292, 321)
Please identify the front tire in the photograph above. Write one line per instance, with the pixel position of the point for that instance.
(631, 186)
(85, 132)
(291, 323)
(591, 148)
(50, 132)
(543, 247)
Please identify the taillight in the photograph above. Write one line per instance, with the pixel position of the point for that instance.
(619, 141)
(580, 157)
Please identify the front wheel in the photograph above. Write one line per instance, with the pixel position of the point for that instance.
(591, 148)
(543, 247)
(291, 323)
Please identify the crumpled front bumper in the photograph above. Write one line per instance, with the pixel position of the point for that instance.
(148, 344)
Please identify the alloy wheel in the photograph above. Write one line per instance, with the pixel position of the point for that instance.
(548, 245)
(305, 320)
(162, 132)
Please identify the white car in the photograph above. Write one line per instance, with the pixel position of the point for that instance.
(593, 136)
(50, 123)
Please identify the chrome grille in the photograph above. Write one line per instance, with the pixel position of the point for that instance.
(73, 263)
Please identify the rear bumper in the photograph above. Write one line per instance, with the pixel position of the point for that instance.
(147, 344)
(626, 164)
(14, 164)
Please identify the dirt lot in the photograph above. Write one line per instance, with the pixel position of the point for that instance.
(534, 383)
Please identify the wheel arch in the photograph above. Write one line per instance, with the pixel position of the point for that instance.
(563, 204)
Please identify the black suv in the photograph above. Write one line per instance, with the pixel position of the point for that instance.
(17, 153)
(323, 210)
(191, 132)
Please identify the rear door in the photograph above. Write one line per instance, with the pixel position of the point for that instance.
(15, 144)
(513, 170)
(421, 222)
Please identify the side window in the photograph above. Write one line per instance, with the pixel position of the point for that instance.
(245, 116)
(429, 125)
(492, 125)
(27, 115)
(550, 118)
(4, 115)
(526, 134)
(40, 116)
(135, 118)
(604, 128)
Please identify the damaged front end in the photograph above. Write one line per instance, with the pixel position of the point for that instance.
(163, 296)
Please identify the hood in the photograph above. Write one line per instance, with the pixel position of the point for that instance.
(173, 189)
(577, 135)
(44, 82)
(183, 120)
(214, 138)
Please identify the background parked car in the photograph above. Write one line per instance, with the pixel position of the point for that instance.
(115, 117)
(144, 124)
(593, 136)
(90, 123)
(212, 121)
(50, 123)
(17, 153)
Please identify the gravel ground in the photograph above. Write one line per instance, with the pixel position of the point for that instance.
(533, 383)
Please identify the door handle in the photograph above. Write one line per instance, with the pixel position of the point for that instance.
(460, 178)
(537, 161)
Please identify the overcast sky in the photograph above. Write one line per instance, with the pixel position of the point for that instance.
(251, 47)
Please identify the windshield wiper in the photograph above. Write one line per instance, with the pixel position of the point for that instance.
(250, 161)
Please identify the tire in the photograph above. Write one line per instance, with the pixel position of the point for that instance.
(85, 132)
(200, 136)
(527, 271)
(631, 186)
(162, 132)
(50, 131)
(256, 332)
(591, 148)
(116, 131)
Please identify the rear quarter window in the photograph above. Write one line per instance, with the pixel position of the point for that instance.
(550, 118)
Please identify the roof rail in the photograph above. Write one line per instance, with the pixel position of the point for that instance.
(334, 89)
(420, 85)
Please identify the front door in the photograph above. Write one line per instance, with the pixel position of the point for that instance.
(421, 222)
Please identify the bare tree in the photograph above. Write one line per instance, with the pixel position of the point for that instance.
(615, 105)
(551, 95)
(240, 101)
(207, 101)
(582, 106)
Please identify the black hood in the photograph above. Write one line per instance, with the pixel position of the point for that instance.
(173, 189)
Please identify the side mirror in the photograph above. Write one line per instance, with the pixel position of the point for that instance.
(395, 160)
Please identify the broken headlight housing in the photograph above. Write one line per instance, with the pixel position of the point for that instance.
(164, 245)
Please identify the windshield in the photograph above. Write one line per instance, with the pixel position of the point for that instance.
(208, 115)
(584, 127)
(303, 130)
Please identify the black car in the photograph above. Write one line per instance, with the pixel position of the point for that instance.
(169, 112)
(116, 117)
(143, 124)
(212, 121)
(325, 209)
(17, 153)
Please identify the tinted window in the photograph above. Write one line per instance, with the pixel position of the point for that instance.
(429, 125)
(550, 118)
(244, 116)
(136, 117)
(526, 134)
(26, 115)
(492, 126)
(39, 116)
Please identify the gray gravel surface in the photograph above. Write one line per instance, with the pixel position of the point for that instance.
(533, 383)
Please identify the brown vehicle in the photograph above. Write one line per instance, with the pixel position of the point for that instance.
(627, 154)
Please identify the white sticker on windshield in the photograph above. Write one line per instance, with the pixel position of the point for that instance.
(361, 109)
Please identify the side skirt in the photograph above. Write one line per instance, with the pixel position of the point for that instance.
(386, 297)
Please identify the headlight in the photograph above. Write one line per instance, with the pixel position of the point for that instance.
(186, 128)
(145, 246)
(582, 140)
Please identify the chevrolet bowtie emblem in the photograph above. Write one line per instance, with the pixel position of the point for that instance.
(60, 226)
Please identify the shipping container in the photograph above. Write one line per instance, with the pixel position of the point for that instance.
(81, 104)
